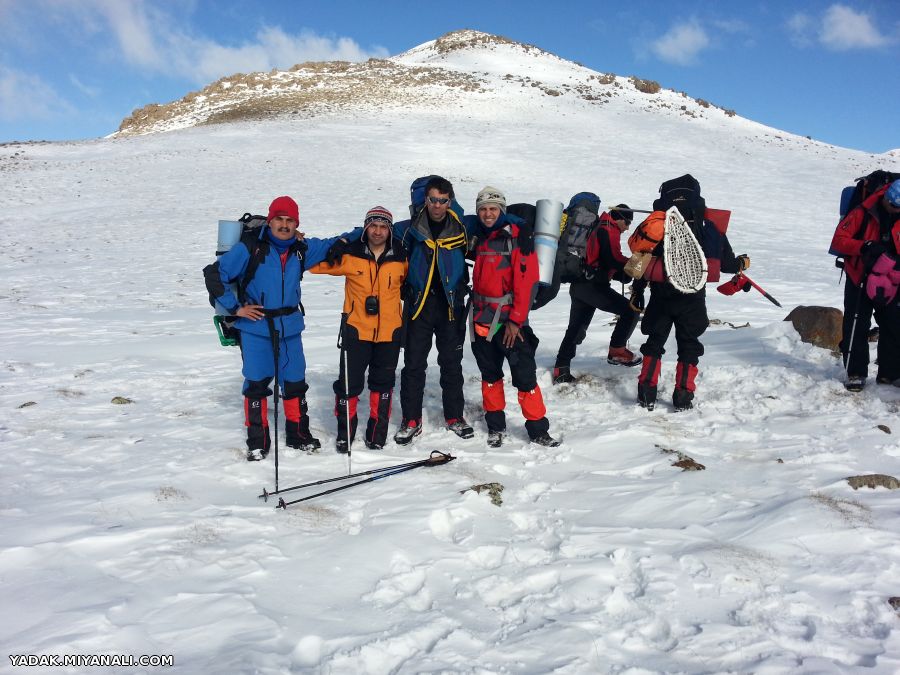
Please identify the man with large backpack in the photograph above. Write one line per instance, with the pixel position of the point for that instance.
(503, 285)
(372, 328)
(591, 290)
(863, 236)
(668, 306)
(268, 266)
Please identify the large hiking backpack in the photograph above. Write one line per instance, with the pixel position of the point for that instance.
(245, 231)
(579, 221)
(863, 188)
(854, 195)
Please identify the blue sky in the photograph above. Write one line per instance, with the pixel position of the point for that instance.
(72, 69)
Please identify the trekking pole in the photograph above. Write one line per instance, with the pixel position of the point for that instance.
(346, 391)
(419, 462)
(273, 333)
(862, 285)
(437, 458)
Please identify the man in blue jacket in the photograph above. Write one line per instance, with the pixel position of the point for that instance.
(270, 303)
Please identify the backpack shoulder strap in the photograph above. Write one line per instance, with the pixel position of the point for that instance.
(259, 249)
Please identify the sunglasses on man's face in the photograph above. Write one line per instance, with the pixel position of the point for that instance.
(438, 200)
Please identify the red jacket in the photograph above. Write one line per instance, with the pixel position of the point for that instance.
(856, 228)
(604, 249)
(502, 270)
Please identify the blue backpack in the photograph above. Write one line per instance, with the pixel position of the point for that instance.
(417, 198)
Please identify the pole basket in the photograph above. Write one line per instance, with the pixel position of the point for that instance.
(229, 336)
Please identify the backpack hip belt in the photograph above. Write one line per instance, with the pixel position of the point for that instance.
(495, 321)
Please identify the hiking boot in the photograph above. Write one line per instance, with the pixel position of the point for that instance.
(256, 454)
(495, 439)
(341, 446)
(546, 440)
(622, 356)
(302, 441)
(881, 379)
(408, 430)
(461, 428)
(373, 446)
(855, 383)
(682, 399)
(647, 396)
(561, 375)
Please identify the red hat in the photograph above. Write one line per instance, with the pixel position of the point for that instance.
(283, 206)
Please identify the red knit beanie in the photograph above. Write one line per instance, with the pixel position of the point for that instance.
(283, 206)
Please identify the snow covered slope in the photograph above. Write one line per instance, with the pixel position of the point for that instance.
(135, 528)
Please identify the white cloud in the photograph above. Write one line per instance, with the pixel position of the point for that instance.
(682, 43)
(839, 29)
(844, 29)
(154, 41)
(24, 96)
(205, 60)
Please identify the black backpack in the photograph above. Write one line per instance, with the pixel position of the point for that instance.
(582, 216)
(684, 193)
(251, 228)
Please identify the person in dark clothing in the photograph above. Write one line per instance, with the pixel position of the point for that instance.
(669, 307)
(503, 286)
(862, 236)
(371, 332)
(604, 262)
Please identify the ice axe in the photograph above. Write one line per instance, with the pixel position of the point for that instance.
(741, 282)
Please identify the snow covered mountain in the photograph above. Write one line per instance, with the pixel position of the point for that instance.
(130, 520)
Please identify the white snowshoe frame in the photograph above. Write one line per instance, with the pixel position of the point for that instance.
(686, 265)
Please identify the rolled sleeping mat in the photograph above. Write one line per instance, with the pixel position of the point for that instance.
(229, 234)
(546, 237)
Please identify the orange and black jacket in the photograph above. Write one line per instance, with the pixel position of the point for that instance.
(382, 278)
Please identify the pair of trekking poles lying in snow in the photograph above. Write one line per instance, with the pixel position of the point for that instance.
(435, 459)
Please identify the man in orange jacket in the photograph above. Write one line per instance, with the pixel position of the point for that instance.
(375, 267)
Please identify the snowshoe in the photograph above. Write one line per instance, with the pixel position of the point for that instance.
(461, 428)
(408, 430)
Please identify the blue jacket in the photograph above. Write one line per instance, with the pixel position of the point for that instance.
(448, 267)
(272, 286)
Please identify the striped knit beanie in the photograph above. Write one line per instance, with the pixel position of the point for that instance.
(378, 213)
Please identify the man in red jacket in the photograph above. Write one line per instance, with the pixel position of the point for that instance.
(861, 237)
(503, 286)
(604, 262)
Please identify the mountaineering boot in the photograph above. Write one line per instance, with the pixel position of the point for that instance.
(682, 399)
(257, 423)
(683, 396)
(882, 379)
(495, 439)
(855, 383)
(342, 407)
(296, 426)
(622, 356)
(647, 381)
(546, 440)
(408, 430)
(379, 417)
(561, 375)
(460, 427)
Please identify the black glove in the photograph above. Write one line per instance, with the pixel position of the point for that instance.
(871, 251)
(743, 262)
(747, 287)
(336, 252)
